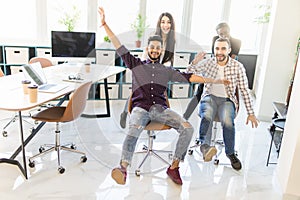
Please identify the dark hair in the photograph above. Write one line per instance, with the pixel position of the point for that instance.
(155, 38)
(222, 25)
(170, 41)
(224, 40)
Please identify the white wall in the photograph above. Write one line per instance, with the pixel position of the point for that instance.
(279, 56)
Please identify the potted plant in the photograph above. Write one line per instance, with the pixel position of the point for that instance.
(70, 20)
(139, 26)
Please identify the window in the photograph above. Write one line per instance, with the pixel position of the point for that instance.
(205, 16)
(18, 22)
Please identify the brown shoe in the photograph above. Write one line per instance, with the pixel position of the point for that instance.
(208, 152)
(174, 175)
(119, 174)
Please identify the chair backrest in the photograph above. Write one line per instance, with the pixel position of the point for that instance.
(77, 103)
(45, 62)
(1, 73)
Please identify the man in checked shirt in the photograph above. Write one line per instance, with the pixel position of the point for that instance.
(220, 100)
(149, 84)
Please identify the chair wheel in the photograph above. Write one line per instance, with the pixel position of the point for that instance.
(145, 148)
(36, 122)
(4, 133)
(41, 149)
(216, 161)
(83, 159)
(137, 172)
(197, 141)
(73, 146)
(61, 170)
(31, 164)
(170, 156)
(190, 152)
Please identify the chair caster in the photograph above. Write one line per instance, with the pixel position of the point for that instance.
(170, 156)
(145, 148)
(36, 122)
(61, 170)
(216, 161)
(190, 152)
(83, 159)
(73, 146)
(137, 172)
(41, 149)
(4, 133)
(31, 164)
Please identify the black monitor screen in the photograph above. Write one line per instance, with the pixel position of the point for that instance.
(73, 44)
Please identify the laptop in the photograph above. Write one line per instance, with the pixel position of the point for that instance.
(35, 73)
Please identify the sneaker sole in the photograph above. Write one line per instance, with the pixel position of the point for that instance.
(118, 176)
(210, 154)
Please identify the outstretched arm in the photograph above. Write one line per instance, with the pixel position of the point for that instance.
(113, 38)
(200, 79)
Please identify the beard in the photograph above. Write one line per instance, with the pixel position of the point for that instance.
(221, 57)
(152, 58)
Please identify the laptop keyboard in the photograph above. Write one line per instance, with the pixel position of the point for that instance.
(46, 87)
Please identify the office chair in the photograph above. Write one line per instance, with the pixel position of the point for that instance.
(61, 114)
(151, 127)
(45, 62)
(214, 140)
(276, 123)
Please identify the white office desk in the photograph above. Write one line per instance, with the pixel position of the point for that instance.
(13, 99)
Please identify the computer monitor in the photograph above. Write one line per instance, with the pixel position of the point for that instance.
(73, 46)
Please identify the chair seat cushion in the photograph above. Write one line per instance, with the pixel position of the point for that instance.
(156, 126)
(52, 114)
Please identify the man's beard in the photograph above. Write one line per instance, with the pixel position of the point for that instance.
(153, 59)
(221, 59)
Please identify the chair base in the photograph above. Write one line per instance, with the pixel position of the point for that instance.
(12, 120)
(149, 151)
(219, 144)
(57, 147)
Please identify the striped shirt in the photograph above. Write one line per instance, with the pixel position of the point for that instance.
(234, 71)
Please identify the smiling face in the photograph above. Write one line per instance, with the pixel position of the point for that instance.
(222, 49)
(165, 24)
(154, 50)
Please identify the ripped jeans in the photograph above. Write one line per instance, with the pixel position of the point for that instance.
(139, 118)
(210, 107)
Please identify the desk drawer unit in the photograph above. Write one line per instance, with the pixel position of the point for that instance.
(113, 91)
(17, 55)
(180, 90)
(104, 57)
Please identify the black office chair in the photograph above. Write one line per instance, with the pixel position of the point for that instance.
(60, 114)
(276, 123)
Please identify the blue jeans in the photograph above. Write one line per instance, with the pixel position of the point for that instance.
(139, 118)
(223, 108)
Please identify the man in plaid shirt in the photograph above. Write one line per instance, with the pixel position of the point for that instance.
(220, 100)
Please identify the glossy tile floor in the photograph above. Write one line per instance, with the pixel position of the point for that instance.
(102, 139)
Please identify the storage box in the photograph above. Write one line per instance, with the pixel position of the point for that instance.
(113, 91)
(16, 55)
(128, 76)
(44, 52)
(15, 69)
(126, 90)
(181, 59)
(180, 90)
(104, 57)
